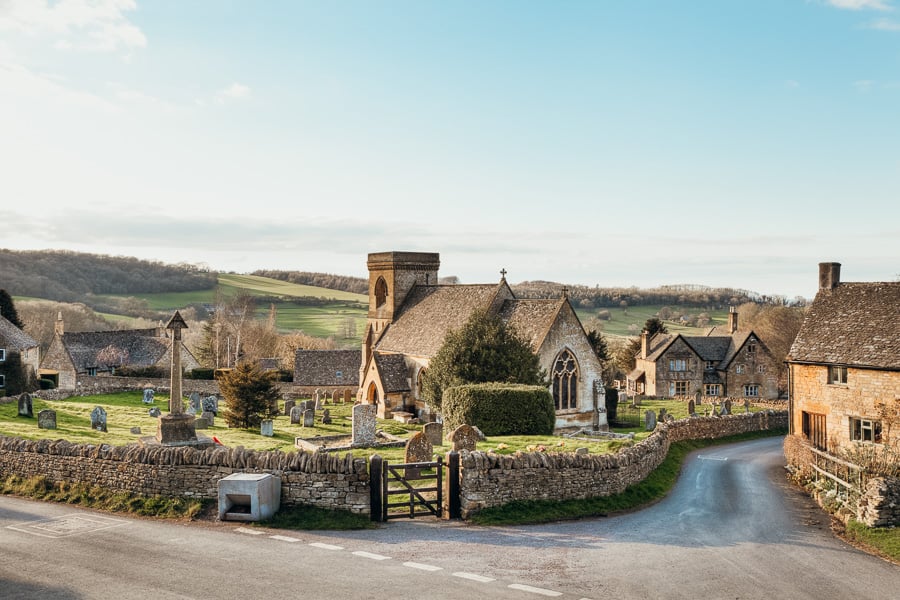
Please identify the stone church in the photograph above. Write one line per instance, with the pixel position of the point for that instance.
(410, 314)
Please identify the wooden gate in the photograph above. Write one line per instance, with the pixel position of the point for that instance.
(409, 490)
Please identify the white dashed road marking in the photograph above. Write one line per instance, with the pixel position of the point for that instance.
(284, 538)
(372, 556)
(472, 576)
(249, 531)
(719, 458)
(533, 590)
(326, 546)
(421, 567)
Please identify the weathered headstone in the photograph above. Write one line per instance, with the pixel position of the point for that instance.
(650, 420)
(318, 404)
(309, 418)
(136, 430)
(726, 408)
(201, 423)
(25, 406)
(209, 417)
(636, 401)
(335, 395)
(363, 428)
(698, 397)
(434, 432)
(463, 437)
(267, 427)
(747, 405)
(288, 405)
(47, 419)
(211, 404)
(148, 396)
(418, 449)
(98, 419)
(296, 415)
(154, 412)
(326, 417)
(347, 396)
(691, 407)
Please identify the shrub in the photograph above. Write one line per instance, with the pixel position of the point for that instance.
(500, 409)
(149, 372)
(250, 396)
(47, 384)
(612, 404)
(200, 374)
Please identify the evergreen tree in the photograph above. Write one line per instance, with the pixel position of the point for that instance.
(250, 396)
(483, 350)
(654, 326)
(8, 309)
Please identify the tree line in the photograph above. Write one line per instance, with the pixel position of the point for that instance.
(343, 283)
(71, 276)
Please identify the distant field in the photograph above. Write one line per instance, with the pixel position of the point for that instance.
(637, 315)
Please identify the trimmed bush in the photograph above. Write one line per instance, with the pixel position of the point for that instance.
(149, 372)
(200, 374)
(47, 384)
(500, 408)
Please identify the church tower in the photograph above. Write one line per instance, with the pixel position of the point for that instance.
(391, 276)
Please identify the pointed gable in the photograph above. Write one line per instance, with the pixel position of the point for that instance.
(13, 338)
(393, 372)
(143, 346)
(531, 319)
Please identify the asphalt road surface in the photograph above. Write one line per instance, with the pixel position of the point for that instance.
(732, 528)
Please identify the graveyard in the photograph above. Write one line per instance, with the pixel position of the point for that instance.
(129, 417)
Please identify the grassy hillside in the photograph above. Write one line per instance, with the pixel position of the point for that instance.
(622, 319)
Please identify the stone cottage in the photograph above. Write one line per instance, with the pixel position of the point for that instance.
(410, 314)
(20, 357)
(736, 363)
(326, 370)
(844, 364)
(72, 356)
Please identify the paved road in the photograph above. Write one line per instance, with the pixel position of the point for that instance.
(732, 528)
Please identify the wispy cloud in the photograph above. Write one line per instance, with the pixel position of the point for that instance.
(861, 4)
(89, 25)
(884, 25)
(864, 85)
(235, 91)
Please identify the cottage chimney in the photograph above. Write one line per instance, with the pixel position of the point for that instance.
(732, 320)
(59, 327)
(829, 275)
(644, 340)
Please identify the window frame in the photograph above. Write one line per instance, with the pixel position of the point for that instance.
(739, 369)
(2, 381)
(712, 389)
(674, 363)
(2, 354)
(684, 388)
(860, 425)
(751, 387)
(837, 375)
(564, 379)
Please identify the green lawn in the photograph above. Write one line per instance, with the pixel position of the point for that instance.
(622, 319)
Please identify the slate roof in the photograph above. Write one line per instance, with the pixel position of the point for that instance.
(429, 313)
(13, 338)
(855, 324)
(719, 348)
(393, 372)
(321, 367)
(531, 319)
(143, 346)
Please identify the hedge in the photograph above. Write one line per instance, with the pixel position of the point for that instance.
(500, 408)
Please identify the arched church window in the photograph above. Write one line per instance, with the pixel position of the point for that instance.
(381, 292)
(419, 383)
(565, 381)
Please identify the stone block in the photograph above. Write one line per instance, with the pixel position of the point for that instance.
(249, 497)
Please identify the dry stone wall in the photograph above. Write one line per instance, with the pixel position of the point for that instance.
(879, 505)
(488, 479)
(319, 479)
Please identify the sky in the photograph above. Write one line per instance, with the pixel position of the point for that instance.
(612, 143)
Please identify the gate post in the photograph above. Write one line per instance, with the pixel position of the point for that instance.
(454, 508)
(376, 466)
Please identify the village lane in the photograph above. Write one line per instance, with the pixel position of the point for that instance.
(731, 528)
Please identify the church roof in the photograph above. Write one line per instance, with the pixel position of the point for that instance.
(429, 313)
(854, 324)
(531, 319)
(393, 372)
(12, 337)
(144, 347)
(327, 367)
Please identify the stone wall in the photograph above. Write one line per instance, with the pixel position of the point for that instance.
(488, 479)
(326, 480)
(879, 505)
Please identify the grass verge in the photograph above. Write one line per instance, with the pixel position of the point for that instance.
(307, 517)
(883, 541)
(655, 487)
(40, 488)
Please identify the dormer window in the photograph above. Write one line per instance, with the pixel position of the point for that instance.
(710, 365)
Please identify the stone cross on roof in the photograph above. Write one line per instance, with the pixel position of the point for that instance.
(502, 273)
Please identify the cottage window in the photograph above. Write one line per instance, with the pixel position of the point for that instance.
(565, 381)
(865, 430)
(713, 389)
(837, 375)
(677, 364)
(381, 292)
(678, 388)
(760, 368)
(2, 354)
(710, 365)
(751, 390)
(751, 349)
(92, 372)
(2, 381)
(739, 369)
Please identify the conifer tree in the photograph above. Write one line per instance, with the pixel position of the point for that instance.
(8, 309)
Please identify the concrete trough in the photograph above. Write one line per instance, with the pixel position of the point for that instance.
(249, 497)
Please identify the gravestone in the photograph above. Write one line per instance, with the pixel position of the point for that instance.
(191, 411)
(698, 397)
(201, 423)
(98, 419)
(154, 412)
(650, 420)
(148, 396)
(317, 396)
(326, 417)
(418, 449)
(434, 432)
(196, 402)
(334, 397)
(463, 437)
(267, 427)
(211, 404)
(691, 407)
(47, 419)
(318, 404)
(363, 428)
(662, 415)
(309, 418)
(347, 396)
(747, 405)
(25, 406)
(288, 405)
(136, 430)
(726, 408)
(209, 417)
(296, 415)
